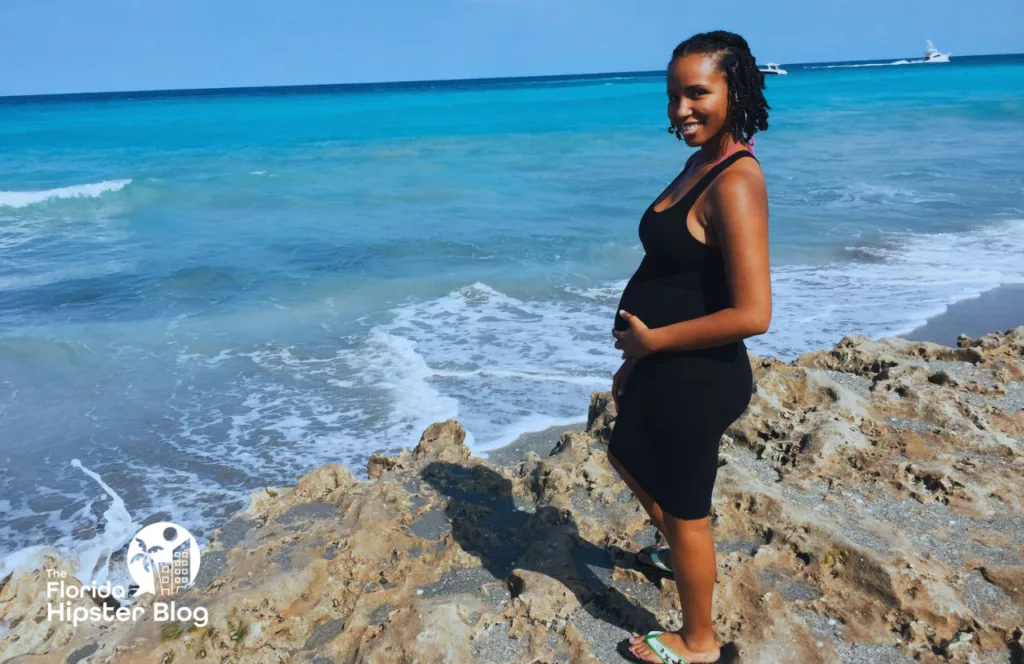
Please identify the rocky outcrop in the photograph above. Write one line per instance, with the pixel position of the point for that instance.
(869, 509)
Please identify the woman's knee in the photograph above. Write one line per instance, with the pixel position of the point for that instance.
(686, 527)
(649, 504)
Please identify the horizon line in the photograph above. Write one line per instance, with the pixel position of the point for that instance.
(227, 90)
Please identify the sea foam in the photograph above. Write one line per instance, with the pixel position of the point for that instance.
(20, 199)
(93, 555)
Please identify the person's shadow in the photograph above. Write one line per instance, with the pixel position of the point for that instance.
(486, 522)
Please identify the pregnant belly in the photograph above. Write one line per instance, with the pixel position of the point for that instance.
(659, 304)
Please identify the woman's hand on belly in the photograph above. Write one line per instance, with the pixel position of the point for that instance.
(636, 342)
(619, 381)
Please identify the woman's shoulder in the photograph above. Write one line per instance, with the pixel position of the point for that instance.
(742, 179)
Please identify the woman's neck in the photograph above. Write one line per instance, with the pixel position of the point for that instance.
(717, 147)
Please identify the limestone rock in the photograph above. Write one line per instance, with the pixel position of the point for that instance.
(443, 441)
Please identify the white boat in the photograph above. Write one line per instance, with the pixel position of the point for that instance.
(772, 68)
(931, 54)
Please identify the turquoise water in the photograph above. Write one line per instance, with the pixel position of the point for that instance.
(202, 294)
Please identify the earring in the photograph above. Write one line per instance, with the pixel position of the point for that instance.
(672, 129)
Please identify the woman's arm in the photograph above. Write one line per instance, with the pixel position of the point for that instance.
(739, 204)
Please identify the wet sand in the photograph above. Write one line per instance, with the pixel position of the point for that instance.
(999, 309)
(541, 442)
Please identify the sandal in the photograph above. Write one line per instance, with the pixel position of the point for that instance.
(663, 652)
(657, 558)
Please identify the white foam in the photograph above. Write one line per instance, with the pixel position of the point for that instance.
(513, 365)
(22, 560)
(895, 63)
(916, 278)
(393, 363)
(286, 417)
(20, 199)
(92, 556)
(511, 432)
(498, 364)
(860, 194)
(118, 531)
(599, 293)
(67, 273)
(542, 377)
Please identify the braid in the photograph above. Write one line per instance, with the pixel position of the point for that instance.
(748, 109)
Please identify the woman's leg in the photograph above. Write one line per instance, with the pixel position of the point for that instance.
(652, 508)
(693, 559)
(693, 552)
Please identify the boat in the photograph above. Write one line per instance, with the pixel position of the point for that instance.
(773, 68)
(932, 54)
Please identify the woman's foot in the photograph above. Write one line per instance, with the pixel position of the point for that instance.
(674, 641)
(656, 557)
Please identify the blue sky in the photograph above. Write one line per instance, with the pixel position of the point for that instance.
(53, 46)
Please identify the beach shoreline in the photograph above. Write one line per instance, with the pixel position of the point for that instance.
(996, 310)
(541, 442)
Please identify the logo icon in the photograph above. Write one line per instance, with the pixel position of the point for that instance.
(163, 559)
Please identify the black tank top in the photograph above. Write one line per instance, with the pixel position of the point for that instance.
(680, 278)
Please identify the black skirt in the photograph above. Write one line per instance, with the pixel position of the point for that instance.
(670, 423)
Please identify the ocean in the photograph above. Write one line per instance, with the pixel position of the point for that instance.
(203, 293)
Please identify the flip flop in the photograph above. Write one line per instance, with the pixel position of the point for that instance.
(658, 559)
(663, 652)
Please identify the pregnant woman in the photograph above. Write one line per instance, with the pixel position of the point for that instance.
(702, 288)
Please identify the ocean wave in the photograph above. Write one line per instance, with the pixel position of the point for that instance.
(506, 360)
(858, 194)
(20, 199)
(895, 63)
(494, 361)
(888, 290)
(93, 556)
(73, 272)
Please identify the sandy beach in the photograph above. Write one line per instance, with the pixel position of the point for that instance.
(539, 442)
(999, 309)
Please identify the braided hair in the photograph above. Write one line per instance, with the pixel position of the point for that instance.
(748, 109)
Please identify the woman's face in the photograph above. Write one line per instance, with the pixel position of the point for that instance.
(698, 98)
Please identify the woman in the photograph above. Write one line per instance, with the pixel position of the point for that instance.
(702, 287)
